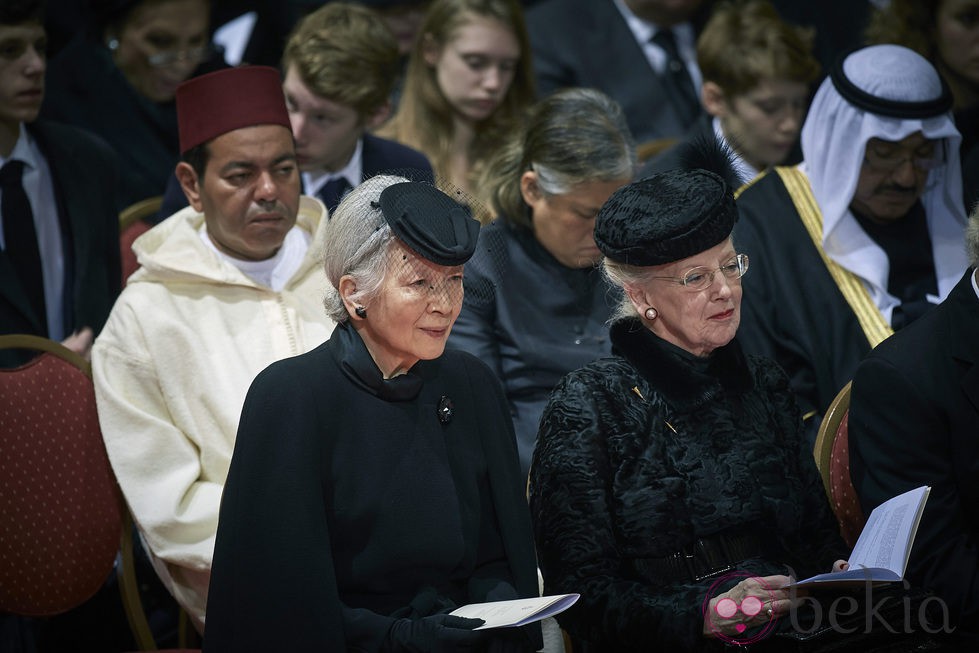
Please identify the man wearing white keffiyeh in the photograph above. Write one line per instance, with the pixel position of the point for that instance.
(863, 236)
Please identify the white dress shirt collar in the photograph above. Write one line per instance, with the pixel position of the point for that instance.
(353, 172)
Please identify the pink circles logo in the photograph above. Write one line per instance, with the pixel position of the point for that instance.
(755, 622)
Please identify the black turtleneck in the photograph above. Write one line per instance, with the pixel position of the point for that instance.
(358, 366)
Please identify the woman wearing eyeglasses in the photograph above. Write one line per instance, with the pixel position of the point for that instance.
(118, 81)
(671, 486)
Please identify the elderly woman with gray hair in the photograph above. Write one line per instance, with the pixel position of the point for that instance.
(374, 485)
(536, 304)
(671, 485)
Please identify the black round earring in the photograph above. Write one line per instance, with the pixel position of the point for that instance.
(361, 312)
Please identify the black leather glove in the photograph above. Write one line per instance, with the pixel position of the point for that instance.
(440, 633)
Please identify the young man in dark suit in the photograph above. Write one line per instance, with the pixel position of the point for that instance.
(59, 264)
(340, 64)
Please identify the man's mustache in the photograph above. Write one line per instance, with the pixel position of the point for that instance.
(897, 188)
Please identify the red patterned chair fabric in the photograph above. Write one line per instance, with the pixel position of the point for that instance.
(832, 452)
(846, 505)
(126, 240)
(62, 517)
(60, 509)
(132, 225)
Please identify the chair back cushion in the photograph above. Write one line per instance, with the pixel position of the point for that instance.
(133, 224)
(843, 495)
(60, 507)
(126, 240)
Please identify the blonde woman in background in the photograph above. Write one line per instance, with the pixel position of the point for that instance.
(468, 79)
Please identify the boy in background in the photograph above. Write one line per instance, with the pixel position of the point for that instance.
(340, 65)
(757, 71)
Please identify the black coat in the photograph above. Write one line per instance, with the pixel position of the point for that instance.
(344, 506)
(640, 455)
(83, 173)
(914, 420)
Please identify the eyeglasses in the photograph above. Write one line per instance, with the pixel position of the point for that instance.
(891, 160)
(701, 278)
(193, 55)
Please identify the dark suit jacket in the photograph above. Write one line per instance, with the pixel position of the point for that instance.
(380, 155)
(83, 171)
(383, 156)
(914, 420)
(588, 43)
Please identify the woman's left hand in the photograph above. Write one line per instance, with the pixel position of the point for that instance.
(751, 602)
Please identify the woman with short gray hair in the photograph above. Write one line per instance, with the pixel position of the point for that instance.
(372, 491)
(359, 237)
(536, 305)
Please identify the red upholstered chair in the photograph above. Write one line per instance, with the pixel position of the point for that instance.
(832, 452)
(132, 225)
(62, 517)
(60, 510)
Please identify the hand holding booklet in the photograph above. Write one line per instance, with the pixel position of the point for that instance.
(519, 612)
(882, 550)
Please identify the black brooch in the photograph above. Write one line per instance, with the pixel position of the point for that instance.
(445, 410)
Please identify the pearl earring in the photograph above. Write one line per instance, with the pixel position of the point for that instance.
(651, 314)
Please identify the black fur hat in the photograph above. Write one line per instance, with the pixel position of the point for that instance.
(674, 214)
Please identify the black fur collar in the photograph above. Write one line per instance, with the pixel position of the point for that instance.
(679, 381)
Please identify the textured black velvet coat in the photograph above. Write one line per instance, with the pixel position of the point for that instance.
(641, 454)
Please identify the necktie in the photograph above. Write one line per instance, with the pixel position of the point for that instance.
(677, 76)
(333, 191)
(20, 237)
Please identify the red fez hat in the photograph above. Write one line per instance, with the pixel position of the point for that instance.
(229, 99)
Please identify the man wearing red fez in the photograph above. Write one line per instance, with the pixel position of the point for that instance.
(226, 286)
